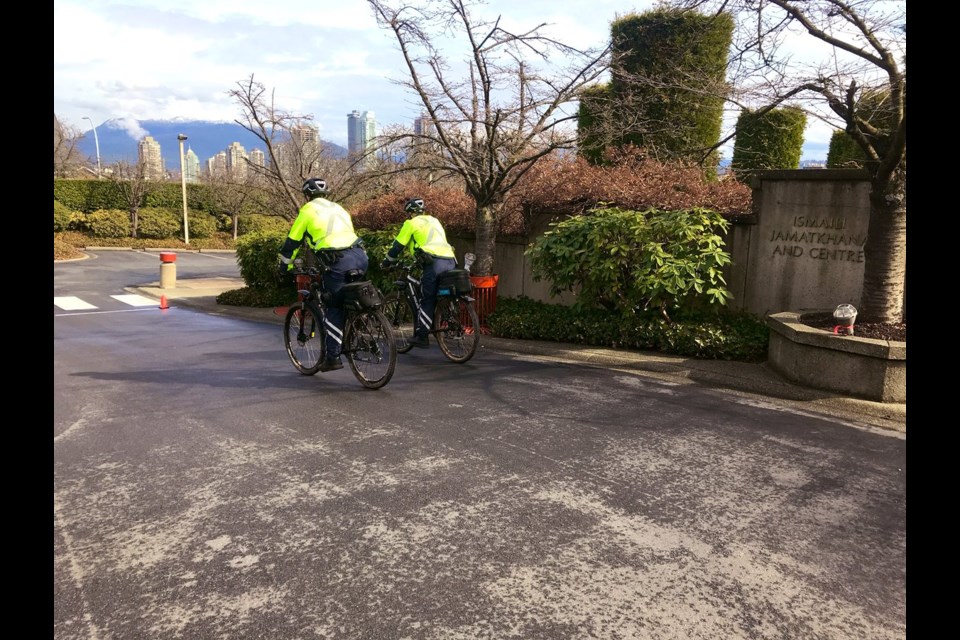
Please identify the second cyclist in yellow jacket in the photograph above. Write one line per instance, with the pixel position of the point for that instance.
(423, 237)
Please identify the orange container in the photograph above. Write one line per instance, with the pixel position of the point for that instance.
(485, 295)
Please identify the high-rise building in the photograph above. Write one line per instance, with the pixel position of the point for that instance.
(307, 139)
(217, 165)
(361, 130)
(257, 158)
(151, 159)
(423, 126)
(191, 166)
(236, 161)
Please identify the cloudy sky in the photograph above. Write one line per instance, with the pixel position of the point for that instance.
(178, 59)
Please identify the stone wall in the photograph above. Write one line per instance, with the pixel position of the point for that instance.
(802, 250)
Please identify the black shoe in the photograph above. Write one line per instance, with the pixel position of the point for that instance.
(331, 364)
(421, 341)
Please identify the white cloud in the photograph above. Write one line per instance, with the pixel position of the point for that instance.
(178, 59)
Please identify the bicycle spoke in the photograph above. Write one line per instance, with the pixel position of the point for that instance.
(457, 328)
(370, 348)
(304, 338)
(398, 312)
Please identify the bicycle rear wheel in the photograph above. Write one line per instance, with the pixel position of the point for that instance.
(457, 328)
(304, 338)
(370, 347)
(397, 309)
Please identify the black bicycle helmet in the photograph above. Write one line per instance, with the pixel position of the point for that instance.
(414, 206)
(314, 187)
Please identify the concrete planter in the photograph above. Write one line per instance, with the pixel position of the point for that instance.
(861, 367)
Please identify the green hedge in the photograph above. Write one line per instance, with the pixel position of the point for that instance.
(724, 335)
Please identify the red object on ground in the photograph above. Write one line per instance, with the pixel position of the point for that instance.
(485, 296)
(168, 256)
(163, 302)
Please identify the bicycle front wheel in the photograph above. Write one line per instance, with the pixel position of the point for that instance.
(371, 348)
(457, 328)
(398, 311)
(304, 338)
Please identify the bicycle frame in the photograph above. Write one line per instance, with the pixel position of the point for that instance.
(368, 343)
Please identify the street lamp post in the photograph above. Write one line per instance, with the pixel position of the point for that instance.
(183, 187)
(96, 141)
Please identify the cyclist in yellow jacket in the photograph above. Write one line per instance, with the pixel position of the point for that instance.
(424, 238)
(328, 230)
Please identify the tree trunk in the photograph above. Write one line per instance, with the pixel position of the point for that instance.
(884, 273)
(485, 241)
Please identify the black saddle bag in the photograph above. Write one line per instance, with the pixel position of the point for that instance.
(360, 296)
(455, 282)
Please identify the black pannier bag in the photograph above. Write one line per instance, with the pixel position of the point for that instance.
(358, 296)
(455, 282)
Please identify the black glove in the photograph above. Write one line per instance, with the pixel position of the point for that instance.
(386, 264)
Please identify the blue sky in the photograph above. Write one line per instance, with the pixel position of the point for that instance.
(178, 59)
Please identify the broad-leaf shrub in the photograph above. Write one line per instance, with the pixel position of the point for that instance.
(257, 258)
(630, 261)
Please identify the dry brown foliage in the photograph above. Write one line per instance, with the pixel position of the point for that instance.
(454, 208)
(567, 186)
(633, 181)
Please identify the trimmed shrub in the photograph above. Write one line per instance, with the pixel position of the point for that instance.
(260, 223)
(202, 225)
(158, 223)
(108, 223)
(844, 152)
(682, 114)
(63, 217)
(772, 140)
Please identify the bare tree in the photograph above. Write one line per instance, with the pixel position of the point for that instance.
(293, 150)
(864, 45)
(67, 160)
(513, 105)
(231, 193)
(131, 182)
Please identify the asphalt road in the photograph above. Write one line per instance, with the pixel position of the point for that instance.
(204, 489)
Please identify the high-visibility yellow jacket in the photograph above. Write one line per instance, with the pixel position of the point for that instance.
(325, 225)
(422, 232)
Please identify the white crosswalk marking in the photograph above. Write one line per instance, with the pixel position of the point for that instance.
(136, 300)
(71, 303)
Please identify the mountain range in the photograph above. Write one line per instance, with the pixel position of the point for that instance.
(119, 140)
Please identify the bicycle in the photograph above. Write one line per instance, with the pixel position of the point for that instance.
(456, 324)
(368, 341)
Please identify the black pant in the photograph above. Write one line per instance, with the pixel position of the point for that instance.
(333, 281)
(428, 292)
